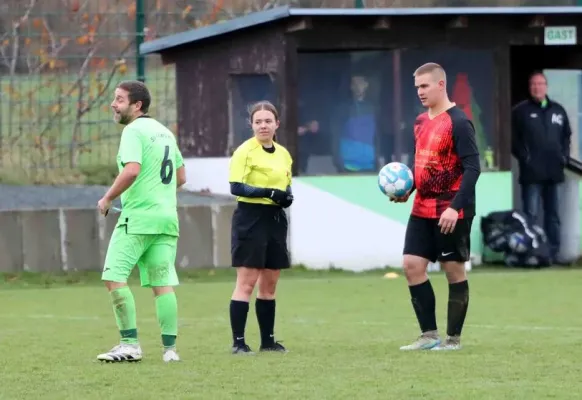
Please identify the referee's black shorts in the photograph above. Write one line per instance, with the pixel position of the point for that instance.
(259, 237)
(424, 239)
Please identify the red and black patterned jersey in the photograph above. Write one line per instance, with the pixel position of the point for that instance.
(445, 148)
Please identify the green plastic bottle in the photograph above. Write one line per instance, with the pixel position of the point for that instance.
(489, 161)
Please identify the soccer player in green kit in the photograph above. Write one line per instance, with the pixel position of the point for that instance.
(151, 169)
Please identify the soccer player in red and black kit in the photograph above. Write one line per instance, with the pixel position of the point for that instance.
(446, 169)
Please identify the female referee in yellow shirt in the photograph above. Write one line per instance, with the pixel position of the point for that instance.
(260, 177)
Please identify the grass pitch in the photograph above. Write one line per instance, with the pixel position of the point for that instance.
(522, 339)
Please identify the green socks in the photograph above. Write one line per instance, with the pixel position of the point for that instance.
(125, 314)
(167, 311)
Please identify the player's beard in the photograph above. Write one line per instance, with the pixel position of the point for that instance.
(121, 118)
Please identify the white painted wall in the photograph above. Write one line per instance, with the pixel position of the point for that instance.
(324, 230)
(327, 231)
(207, 173)
(565, 87)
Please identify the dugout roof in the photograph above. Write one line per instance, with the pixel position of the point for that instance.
(280, 13)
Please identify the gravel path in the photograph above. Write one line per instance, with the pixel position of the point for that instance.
(47, 197)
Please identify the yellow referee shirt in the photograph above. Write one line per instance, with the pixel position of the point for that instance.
(252, 165)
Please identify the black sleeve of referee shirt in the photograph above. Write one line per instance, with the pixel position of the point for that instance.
(466, 148)
(244, 190)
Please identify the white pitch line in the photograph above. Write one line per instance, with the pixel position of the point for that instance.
(299, 321)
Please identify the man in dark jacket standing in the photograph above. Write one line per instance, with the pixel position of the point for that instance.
(541, 144)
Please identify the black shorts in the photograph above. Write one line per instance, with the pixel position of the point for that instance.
(424, 239)
(259, 237)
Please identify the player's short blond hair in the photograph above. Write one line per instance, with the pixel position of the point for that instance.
(430, 68)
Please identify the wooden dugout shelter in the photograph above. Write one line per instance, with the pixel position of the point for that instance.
(520, 40)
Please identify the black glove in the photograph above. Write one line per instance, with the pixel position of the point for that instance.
(287, 202)
(281, 197)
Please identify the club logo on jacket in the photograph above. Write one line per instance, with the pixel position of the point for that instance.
(558, 119)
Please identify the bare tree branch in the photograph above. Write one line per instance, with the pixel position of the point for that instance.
(56, 46)
(16, 25)
(14, 37)
(5, 59)
(110, 77)
(52, 120)
(78, 83)
(14, 34)
(74, 144)
(84, 143)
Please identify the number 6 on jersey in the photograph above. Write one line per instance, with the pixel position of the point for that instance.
(167, 169)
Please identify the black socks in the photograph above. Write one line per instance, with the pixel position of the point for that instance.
(424, 303)
(457, 307)
(238, 320)
(265, 310)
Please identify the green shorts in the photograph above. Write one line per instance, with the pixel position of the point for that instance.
(155, 256)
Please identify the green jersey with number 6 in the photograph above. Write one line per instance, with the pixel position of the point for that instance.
(150, 204)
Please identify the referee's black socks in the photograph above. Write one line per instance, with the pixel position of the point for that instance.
(238, 320)
(457, 308)
(424, 304)
(265, 310)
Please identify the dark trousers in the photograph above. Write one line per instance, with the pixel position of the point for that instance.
(547, 193)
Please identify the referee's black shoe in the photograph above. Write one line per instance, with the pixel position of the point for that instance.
(275, 346)
(241, 348)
